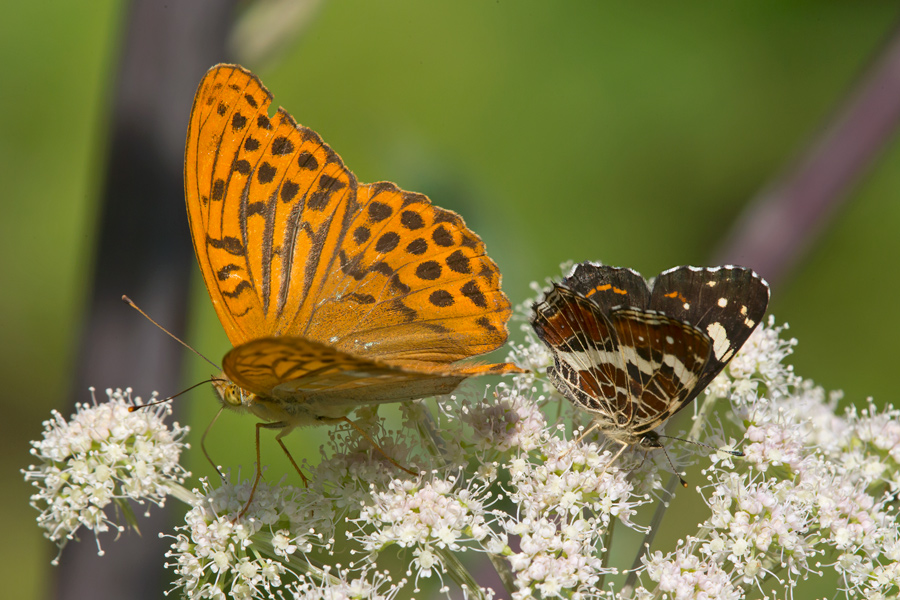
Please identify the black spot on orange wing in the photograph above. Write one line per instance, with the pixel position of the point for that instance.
(459, 262)
(361, 298)
(379, 211)
(282, 146)
(428, 270)
(218, 190)
(231, 245)
(238, 289)
(417, 247)
(445, 216)
(469, 240)
(256, 208)
(289, 191)
(225, 272)
(441, 298)
(382, 267)
(361, 235)
(266, 173)
(411, 220)
(306, 161)
(408, 314)
(442, 237)
(471, 291)
(398, 286)
(327, 187)
(485, 323)
(350, 267)
(387, 242)
(242, 167)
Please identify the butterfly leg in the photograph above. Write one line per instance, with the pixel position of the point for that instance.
(613, 459)
(278, 437)
(259, 426)
(258, 474)
(377, 447)
(593, 426)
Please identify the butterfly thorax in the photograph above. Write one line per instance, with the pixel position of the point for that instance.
(276, 410)
(646, 440)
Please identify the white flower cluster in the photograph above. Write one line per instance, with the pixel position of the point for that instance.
(566, 499)
(816, 492)
(433, 517)
(511, 418)
(501, 482)
(760, 362)
(219, 556)
(104, 454)
(265, 554)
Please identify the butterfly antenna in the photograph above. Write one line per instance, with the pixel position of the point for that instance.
(684, 483)
(731, 452)
(128, 301)
(172, 397)
(672, 437)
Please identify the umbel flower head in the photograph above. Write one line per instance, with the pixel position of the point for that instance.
(104, 455)
(501, 485)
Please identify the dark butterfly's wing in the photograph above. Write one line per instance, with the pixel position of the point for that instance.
(582, 341)
(663, 360)
(609, 287)
(725, 303)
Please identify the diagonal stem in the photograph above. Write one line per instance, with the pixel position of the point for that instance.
(784, 219)
(669, 491)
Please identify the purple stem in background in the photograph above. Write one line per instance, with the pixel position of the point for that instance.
(783, 221)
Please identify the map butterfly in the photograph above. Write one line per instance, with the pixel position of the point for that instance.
(633, 352)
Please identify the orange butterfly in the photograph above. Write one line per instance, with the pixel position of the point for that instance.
(334, 293)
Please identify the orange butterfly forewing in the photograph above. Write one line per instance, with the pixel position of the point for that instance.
(334, 293)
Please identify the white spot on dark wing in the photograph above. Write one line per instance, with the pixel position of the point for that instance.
(686, 306)
(670, 340)
(744, 310)
(720, 340)
(749, 323)
(723, 302)
(711, 283)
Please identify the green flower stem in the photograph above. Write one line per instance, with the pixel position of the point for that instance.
(460, 574)
(708, 403)
(179, 492)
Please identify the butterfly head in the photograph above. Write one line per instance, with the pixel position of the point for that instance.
(230, 394)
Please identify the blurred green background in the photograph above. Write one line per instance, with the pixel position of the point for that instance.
(628, 133)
